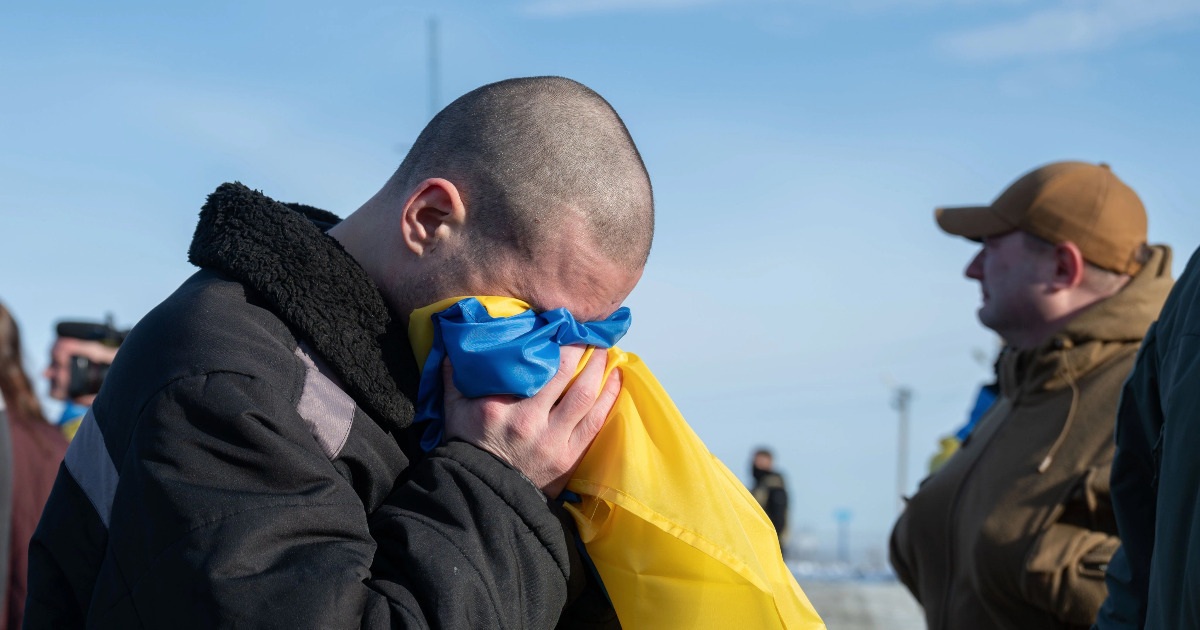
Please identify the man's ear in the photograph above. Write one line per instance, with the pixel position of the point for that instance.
(433, 212)
(1068, 266)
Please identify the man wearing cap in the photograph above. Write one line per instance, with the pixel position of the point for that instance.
(1015, 531)
(79, 359)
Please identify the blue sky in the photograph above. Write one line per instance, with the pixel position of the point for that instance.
(797, 149)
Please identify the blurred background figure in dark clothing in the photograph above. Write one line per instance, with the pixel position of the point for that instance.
(31, 455)
(770, 491)
(79, 360)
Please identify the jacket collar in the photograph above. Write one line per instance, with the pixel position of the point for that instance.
(1076, 349)
(281, 252)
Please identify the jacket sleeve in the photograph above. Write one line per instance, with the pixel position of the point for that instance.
(1135, 466)
(898, 556)
(777, 507)
(465, 543)
(228, 513)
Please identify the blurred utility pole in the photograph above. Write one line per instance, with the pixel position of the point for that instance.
(900, 403)
(433, 67)
(843, 544)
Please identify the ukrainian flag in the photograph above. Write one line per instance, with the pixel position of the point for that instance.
(677, 539)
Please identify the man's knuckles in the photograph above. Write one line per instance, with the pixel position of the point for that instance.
(522, 429)
(493, 408)
(578, 400)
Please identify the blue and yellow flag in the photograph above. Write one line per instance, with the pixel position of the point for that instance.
(677, 539)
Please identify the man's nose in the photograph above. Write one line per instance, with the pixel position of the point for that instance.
(974, 269)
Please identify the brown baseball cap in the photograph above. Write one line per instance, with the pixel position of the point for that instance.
(1065, 201)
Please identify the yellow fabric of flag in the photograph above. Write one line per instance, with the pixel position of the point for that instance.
(677, 539)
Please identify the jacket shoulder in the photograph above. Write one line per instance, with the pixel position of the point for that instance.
(209, 324)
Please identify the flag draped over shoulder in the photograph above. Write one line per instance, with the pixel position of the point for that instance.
(677, 539)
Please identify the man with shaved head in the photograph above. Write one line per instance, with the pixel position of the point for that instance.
(251, 460)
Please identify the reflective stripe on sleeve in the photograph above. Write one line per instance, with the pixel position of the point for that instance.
(91, 466)
(327, 409)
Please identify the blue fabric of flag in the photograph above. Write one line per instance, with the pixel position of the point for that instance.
(515, 355)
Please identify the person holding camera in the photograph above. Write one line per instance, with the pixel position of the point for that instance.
(79, 359)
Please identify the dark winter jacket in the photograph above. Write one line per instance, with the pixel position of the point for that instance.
(248, 464)
(771, 494)
(1015, 530)
(1154, 579)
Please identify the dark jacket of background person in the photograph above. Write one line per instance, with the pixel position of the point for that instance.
(771, 494)
(1154, 580)
(247, 464)
(1016, 529)
(32, 450)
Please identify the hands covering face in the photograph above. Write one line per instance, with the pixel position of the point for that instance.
(544, 436)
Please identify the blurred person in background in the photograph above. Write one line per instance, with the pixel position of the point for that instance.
(770, 491)
(37, 448)
(1154, 578)
(79, 359)
(949, 445)
(1016, 529)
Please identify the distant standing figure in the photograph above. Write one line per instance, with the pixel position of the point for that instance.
(770, 491)
(37, 450)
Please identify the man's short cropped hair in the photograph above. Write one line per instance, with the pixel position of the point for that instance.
(523, 151)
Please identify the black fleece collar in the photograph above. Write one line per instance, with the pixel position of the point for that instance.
(281, 252)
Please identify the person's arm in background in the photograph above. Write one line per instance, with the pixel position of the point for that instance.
(777, 504)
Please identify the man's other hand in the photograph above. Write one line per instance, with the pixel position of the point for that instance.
(545, 436)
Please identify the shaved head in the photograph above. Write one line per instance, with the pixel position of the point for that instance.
(528, 188)
(535, 157)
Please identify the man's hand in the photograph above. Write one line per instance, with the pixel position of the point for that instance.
(545, 436)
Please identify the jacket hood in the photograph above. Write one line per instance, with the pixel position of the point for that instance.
(1127, 315)
(281, 252)
(1093, 336)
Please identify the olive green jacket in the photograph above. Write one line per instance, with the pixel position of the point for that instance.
(1015, 531)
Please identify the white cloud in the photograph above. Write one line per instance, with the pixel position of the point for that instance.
(1073, 26)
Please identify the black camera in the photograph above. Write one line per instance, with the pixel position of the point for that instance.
(104, 333)
(86, 376)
